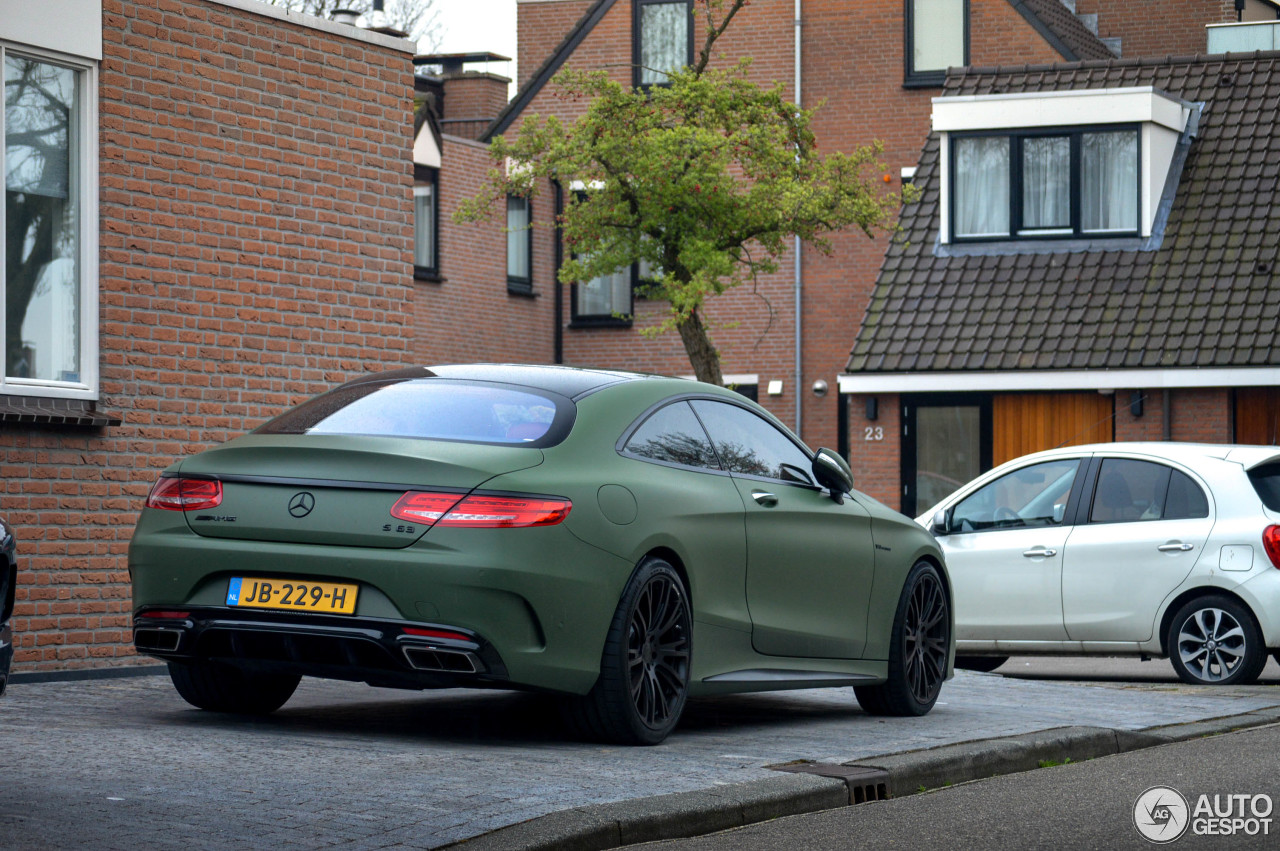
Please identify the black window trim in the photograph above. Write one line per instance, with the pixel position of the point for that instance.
(635, 38)
(517, 285)
(1086, 468)
(1015, 136)
(912, 79)
(1085, 507)
(428, 174)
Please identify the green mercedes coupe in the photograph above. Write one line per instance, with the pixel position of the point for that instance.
(626, 541)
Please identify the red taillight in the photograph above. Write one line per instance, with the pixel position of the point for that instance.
(424, 508)
(174, 493)
(436, 633)
(1271, 543)
(480, 511)
(166, 615)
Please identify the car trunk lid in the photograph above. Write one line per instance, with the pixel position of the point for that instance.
(337, 490)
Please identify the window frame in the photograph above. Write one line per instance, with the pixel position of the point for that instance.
(83, 162)
(1015, 137)
(636, 6)
(517, 285)
(425, 174)
(911, 78)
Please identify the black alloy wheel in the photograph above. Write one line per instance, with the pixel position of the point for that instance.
(644, 671)
(918, 649)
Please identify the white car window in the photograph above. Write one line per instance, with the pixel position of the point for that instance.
(1131, 491)
(1030, 496)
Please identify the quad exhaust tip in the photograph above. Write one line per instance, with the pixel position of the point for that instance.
(437, 659)
(162, 640)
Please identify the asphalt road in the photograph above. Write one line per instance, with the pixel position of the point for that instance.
(1080, 805)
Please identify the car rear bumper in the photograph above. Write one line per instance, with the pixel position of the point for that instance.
(6, 655)
(373, 650)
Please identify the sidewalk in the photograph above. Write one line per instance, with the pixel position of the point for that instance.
(122, 763)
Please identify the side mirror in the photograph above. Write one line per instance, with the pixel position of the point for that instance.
(833, 473)
(941, 524)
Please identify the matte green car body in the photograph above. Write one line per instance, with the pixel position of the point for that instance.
(544, 597)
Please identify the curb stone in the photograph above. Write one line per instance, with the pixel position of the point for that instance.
(683, 814)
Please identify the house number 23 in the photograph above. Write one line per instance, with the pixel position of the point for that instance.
(873, 433)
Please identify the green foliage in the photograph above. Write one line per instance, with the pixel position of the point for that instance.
(706, 179)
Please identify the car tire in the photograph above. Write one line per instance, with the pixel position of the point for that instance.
(224, 688)
(982, 664)
(644, 670)
(1214, 640)
(918, 648)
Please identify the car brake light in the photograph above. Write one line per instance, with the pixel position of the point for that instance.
(480, 511)
(174, 493)
(1271, 543)
(166, 615)
(424, 508)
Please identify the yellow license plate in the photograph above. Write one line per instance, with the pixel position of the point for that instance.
(294, 595)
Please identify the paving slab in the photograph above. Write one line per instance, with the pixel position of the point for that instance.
(125, 763)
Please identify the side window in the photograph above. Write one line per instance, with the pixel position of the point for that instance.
(1185, 501)
(937, 38)
(1031, 496)
(1132, 491)
(663, 39)
(750, 445)
(1129, 491)
(675, 436)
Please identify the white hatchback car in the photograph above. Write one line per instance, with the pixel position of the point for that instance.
(1160, 549)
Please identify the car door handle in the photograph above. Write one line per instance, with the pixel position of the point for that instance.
(1040, 552)
(766, 499)
(1175, 548)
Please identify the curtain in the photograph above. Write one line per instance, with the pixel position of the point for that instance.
(1046, 182)
(606, 295)
(424, 225)
(937, 34)
(1109, 181)
(664, 40)
(518, 238)
(981, 183)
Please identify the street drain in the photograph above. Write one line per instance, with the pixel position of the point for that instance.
(865, 783)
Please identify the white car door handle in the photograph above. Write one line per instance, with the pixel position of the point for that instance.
(1040, 552)
(1175, 548)
(767, 500)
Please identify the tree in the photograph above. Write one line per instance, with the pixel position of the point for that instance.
(419, 18)
(706, 179)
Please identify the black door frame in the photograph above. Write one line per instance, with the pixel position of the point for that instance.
(910, 402)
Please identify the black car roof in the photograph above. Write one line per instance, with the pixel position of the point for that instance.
(565, 380)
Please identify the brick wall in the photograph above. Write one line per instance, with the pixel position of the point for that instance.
(542, 24)
(255, 228)
(470, 316)
(1158, 27)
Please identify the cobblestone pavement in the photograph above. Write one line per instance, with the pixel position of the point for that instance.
(125, 763)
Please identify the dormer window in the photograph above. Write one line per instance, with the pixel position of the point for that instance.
(662, 39)
(1045, 184)
(1038, 166)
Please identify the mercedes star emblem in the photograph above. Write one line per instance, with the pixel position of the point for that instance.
(301, 504)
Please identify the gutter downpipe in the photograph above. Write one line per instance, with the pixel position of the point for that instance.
(799, 326)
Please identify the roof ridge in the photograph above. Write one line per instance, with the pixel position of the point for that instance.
(960, 71)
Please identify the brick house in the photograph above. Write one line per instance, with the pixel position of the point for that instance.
(876, 66)
(208, 217)
(1092, 259)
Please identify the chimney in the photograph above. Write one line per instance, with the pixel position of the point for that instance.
(377, 21)
(471, 99)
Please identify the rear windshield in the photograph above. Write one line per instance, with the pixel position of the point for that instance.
(1266, 481)
(434, 409)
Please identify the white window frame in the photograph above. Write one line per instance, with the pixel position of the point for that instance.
(85, 161)
(1161, 118)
